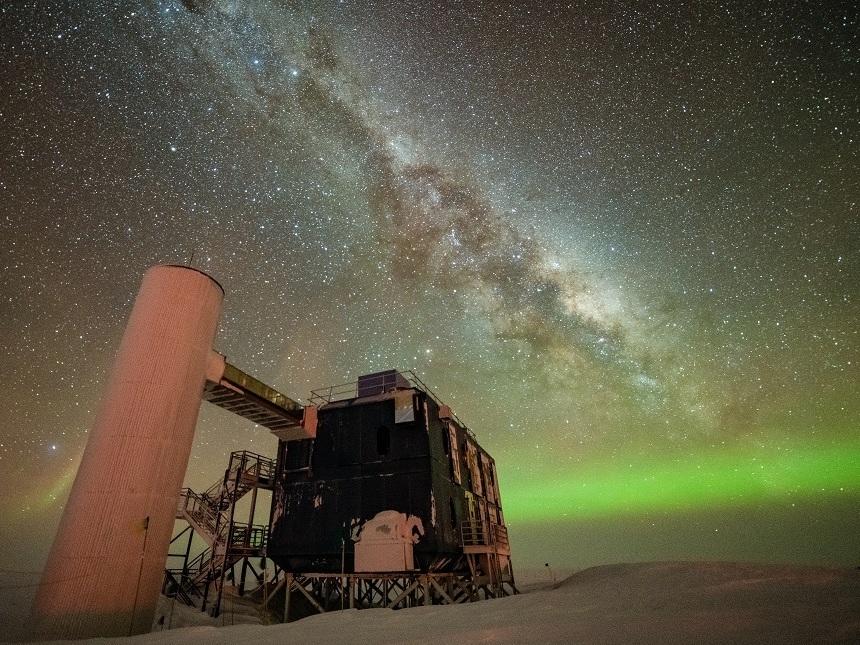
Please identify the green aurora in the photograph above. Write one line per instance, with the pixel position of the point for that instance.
(712, 479)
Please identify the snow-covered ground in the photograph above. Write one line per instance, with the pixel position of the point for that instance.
(664, 602)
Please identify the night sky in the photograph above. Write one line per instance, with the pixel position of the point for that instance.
(620, 240)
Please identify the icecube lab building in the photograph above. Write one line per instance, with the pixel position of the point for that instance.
(382, 497)
(392, 483)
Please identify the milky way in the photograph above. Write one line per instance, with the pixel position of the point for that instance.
(621, 242)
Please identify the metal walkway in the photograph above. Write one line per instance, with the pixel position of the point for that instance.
(211, 514)
(242, 394)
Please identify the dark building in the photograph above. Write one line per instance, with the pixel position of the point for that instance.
(392, 482)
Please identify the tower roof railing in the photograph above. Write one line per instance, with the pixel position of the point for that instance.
(382, 382)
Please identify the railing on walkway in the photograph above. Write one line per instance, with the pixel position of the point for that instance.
(383, 382)
(476, 533)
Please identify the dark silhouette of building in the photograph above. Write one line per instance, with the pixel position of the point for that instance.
(392, 482)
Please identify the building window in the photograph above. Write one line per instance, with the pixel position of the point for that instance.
(383, 440)
(455, 454)
(453, 510)
(299, 454)
(446, 442)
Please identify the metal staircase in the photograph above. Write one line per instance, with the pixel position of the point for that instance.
(211, 515)
(487, 550)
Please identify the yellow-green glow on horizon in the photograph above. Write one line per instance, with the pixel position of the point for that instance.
(709, 480)
(43, 493)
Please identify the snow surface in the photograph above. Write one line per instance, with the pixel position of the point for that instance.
(664, 602)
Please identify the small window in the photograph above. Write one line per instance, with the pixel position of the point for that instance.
(383, 440)
(453, 510)
(455, 455)
(299, 454)
(446, 441)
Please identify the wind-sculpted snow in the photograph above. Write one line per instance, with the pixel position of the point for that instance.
(663, 602)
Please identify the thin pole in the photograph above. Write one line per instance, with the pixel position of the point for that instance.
(248, 535)
(185, 561)
(287, 587)
(228, 542)
(139, 574)
(170, 618)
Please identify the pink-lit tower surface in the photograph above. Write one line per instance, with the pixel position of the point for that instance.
(105, 569)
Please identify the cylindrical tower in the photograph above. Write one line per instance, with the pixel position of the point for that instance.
(105, 569)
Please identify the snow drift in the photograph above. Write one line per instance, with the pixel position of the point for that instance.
(668, 602)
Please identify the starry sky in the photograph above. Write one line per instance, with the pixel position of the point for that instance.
(620, 239)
